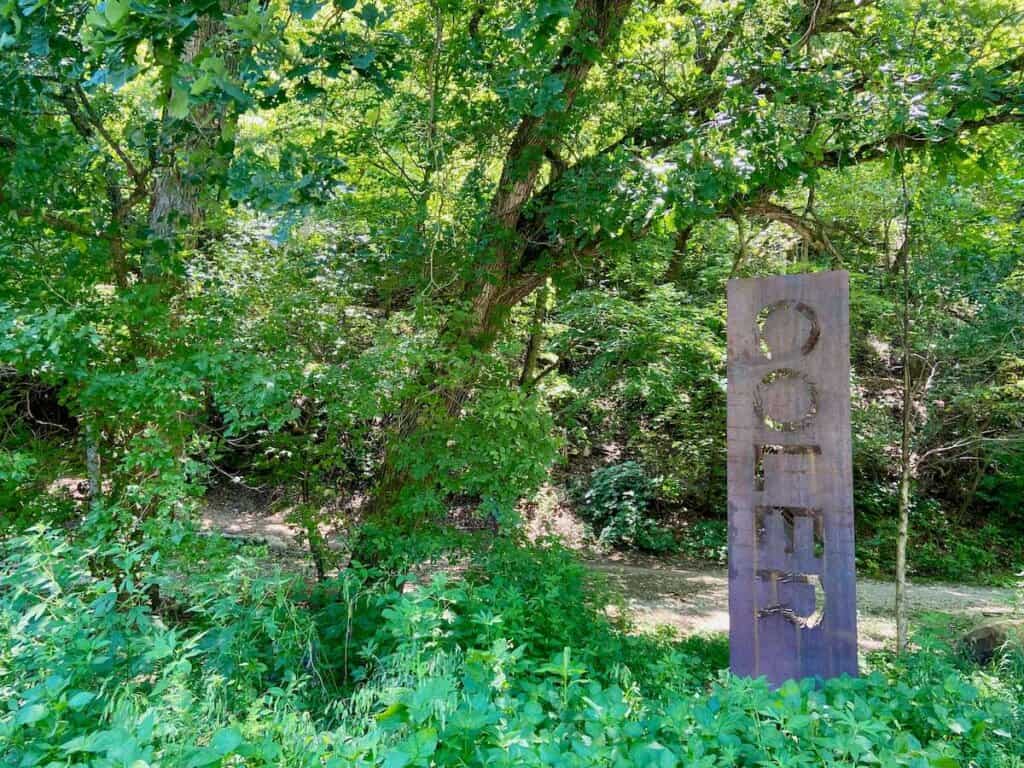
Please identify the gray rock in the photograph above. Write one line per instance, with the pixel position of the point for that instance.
(983, 643)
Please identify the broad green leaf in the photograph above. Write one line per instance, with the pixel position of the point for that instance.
(226, 740)
(203, 757)
(31, 713)
(115, 10)
(177, 106)
(80, 700)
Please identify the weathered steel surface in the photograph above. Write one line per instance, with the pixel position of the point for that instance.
(792, 600)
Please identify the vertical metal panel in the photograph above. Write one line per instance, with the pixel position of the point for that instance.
(792, 592)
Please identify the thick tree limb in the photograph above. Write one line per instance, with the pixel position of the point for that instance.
(867, 152)
(655, 136)
(809, 228)
(883, 147)
(535, 137)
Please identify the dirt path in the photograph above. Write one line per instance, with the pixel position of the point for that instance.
(691, 598)
(695, 600)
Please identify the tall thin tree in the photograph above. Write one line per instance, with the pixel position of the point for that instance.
(907, 421)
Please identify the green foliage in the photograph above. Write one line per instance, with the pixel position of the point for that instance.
(940, 547)
(645, 375)
(498, 451)
(28, 464)
(616, 504)
(16, 478)
(737, 723)
(1003, 488)
(89, 672)
(705, 540)
(291, 244)
(244, 666)
(538, 598)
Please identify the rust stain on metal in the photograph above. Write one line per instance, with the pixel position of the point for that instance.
(792, 590)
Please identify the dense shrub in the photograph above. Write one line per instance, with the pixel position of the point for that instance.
(940, 546)
(644, 372)
(705, 540)
(540, 598)
(91, 676)
(573, 721)
(616, 505)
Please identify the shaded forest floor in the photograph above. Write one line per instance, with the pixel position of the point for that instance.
(659, 591)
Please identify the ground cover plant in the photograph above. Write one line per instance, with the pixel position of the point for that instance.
(248, 668)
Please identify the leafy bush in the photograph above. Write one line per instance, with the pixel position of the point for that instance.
(616, 506)
(20, 498)
(645, 369)
(939, 547)
(939, 719)
(706, 540)
(239, 668)
(497, 452)
(538, 597)
(90, 675)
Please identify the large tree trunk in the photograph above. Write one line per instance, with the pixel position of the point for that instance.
(680, 253)
(175, 205)
(500, 282)
(495, 289)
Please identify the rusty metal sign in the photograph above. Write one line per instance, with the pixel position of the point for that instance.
(792, 590)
